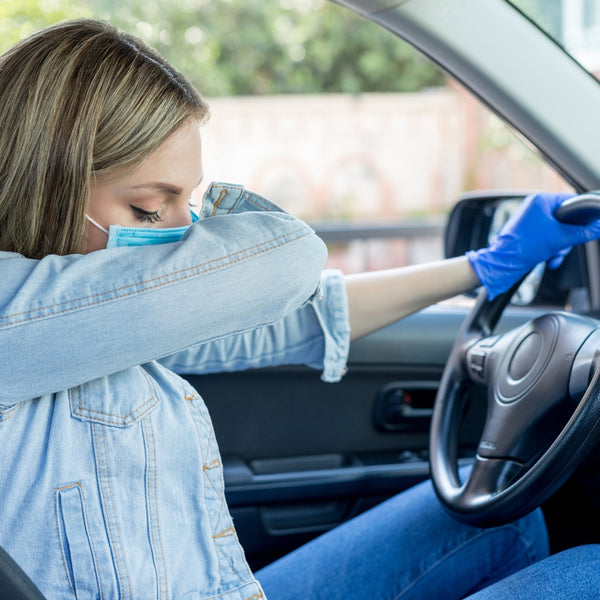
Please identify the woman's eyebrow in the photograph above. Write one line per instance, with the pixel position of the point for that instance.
(160, 187)
(163, 187)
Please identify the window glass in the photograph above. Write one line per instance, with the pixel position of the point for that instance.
(358, 134)
(390, 163)
(574, 24)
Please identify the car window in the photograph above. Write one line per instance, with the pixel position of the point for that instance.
(575, 25)
(375, 171)
(359, 135)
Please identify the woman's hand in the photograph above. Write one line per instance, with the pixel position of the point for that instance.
(533, 235)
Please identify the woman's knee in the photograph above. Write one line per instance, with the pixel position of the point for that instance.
(571, 574)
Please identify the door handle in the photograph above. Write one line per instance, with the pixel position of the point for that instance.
(404, 405)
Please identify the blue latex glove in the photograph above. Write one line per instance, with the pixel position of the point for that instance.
(529, 237)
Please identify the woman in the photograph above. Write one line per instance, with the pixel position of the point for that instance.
(111, 479)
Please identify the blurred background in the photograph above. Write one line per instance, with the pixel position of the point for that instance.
(331, 117)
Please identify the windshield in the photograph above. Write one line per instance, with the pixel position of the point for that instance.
(574, 24)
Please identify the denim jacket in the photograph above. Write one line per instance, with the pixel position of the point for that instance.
(111, 482)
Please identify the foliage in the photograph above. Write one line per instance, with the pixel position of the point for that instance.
(239, 47)
(19, 18)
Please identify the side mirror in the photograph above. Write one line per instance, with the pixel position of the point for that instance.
(476, 218)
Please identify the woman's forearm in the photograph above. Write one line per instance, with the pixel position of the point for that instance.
(379, 298)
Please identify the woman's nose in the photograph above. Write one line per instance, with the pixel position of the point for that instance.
(181, 215)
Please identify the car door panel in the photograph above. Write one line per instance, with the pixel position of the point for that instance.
(301, 456)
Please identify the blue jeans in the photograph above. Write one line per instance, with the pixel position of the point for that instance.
(571, 575)
(407, 548)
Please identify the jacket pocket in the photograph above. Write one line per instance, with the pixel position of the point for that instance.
(119, 400)
(76, 545)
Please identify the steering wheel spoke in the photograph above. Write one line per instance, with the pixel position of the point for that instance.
(487, 478)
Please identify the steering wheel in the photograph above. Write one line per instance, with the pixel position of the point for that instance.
(543, 413)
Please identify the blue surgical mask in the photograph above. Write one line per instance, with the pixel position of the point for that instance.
(119, 236)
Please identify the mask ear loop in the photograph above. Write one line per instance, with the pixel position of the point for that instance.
(96, 224)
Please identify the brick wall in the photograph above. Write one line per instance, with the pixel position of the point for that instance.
(366, 156)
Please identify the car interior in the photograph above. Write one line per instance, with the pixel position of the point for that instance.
(301, 456)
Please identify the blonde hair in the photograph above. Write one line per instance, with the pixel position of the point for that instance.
(79, 101)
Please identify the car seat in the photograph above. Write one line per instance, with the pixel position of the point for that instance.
(14, 583)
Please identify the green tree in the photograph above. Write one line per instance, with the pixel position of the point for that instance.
(239, 47)
(19, 18)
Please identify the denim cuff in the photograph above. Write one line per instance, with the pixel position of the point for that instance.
(331, 306)
(329, 300)
(227, 198)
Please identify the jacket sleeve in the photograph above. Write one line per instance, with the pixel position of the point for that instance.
(316, 335)
(65, 320)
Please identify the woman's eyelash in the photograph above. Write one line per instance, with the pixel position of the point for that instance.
(146, 216)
